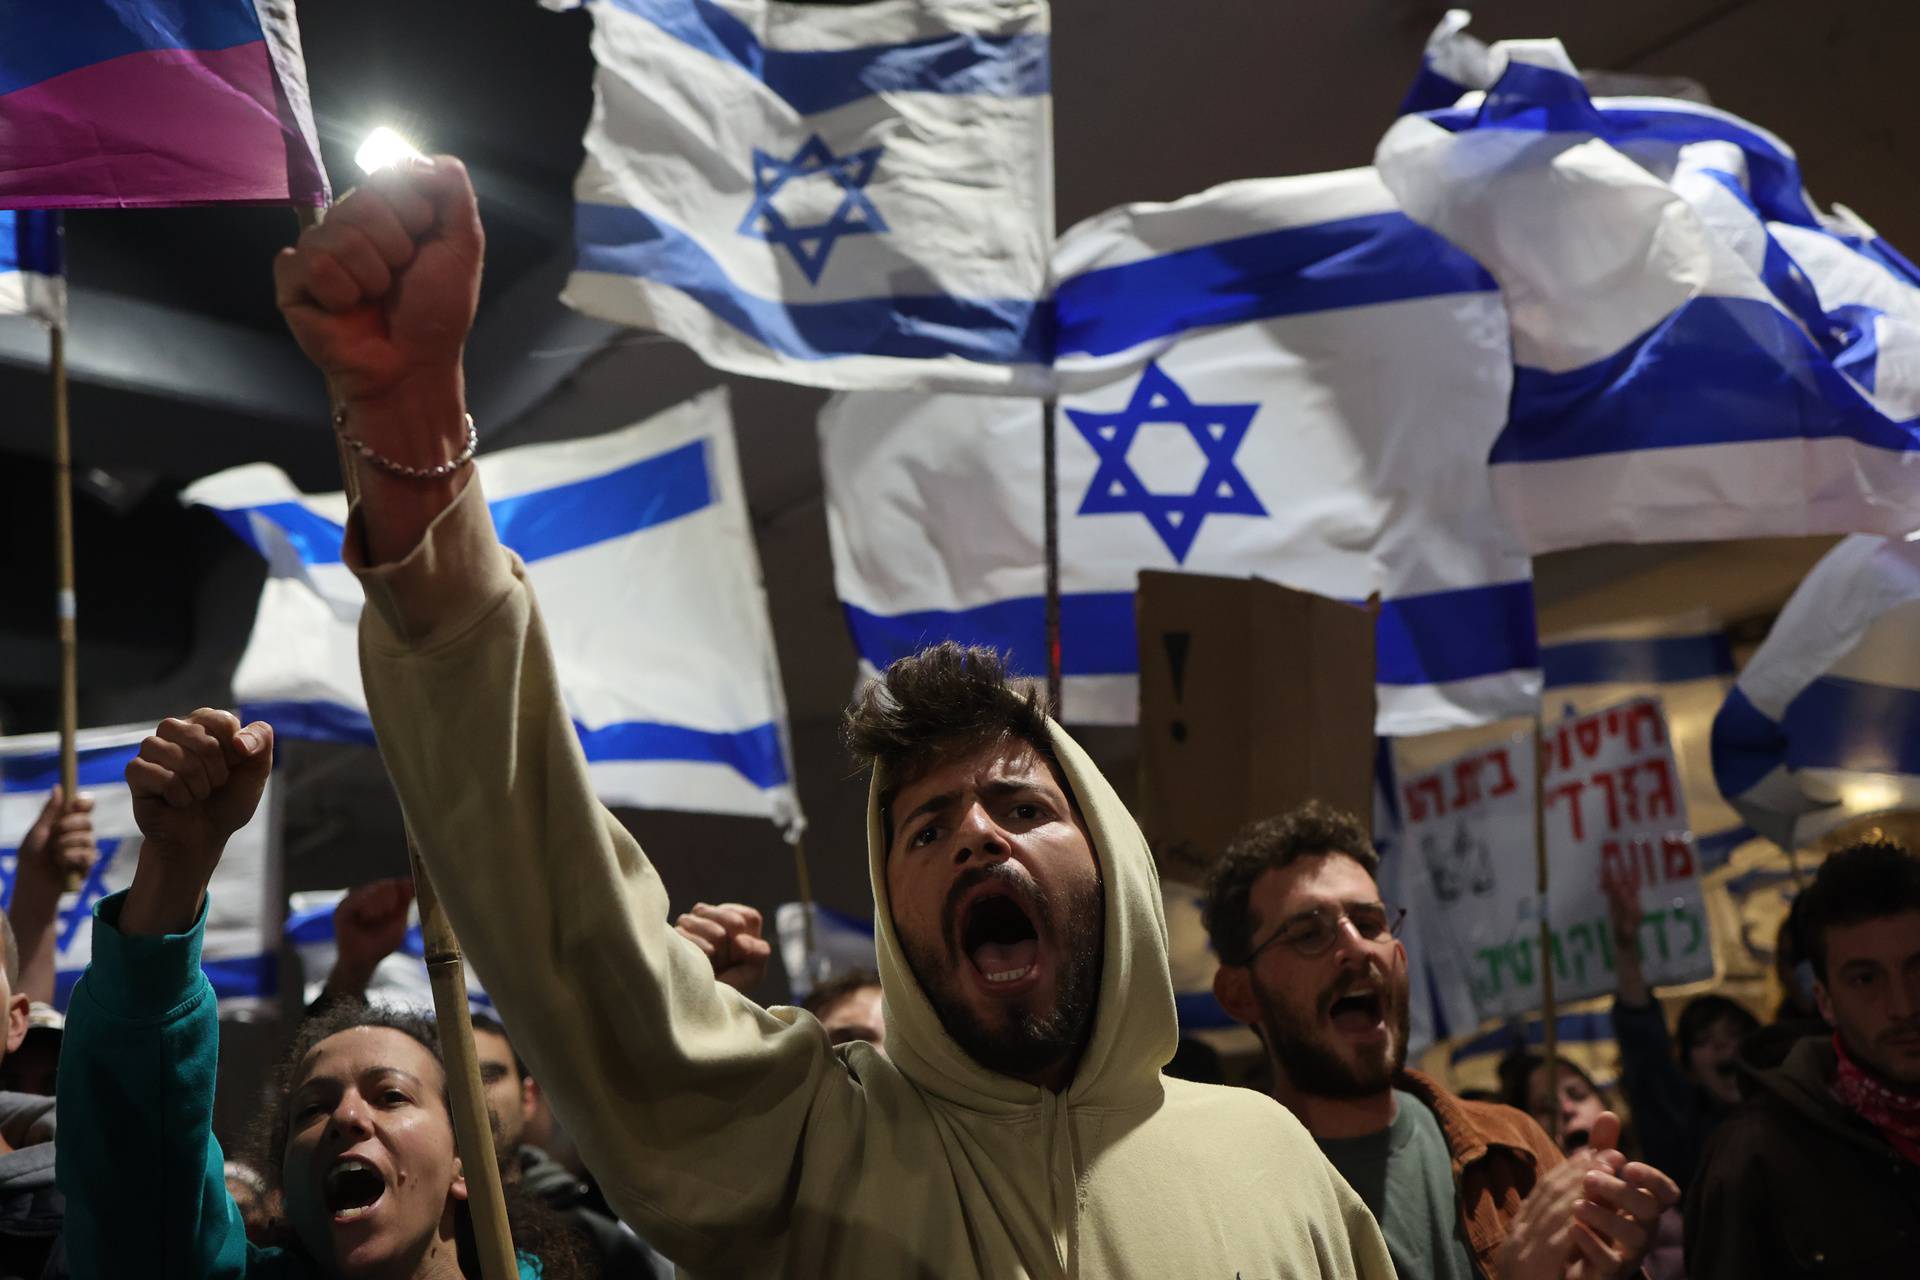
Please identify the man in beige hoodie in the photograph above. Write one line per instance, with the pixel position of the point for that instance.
(1020, 1126)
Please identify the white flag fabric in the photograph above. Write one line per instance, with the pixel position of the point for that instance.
(1823, 724)
(841, 945)
(843, 197)
(1700, 352)
(1281, 378)
(399, 979)
(240, 946)
(31, 282)
(639, 547)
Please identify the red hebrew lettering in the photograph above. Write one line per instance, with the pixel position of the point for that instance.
(1606, 783)
(1504, 785)
(1466, 784)
(1571, 790)
(1677, 855)
(1647, 714)
(1587, 734)
(1418, 802)
(1565, 741)
(1615, 868)
(1613, 723)
(1661, 801)
(1630, 792)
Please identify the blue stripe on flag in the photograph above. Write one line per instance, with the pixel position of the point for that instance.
(236, 977)
(30, 241)
(1715, 847)
(1456, 635)
(1592, 1027)
(1200, 1011)
(816, 80)
(1423, 639)
(1836, 723)
(627, 242)
(1771, 384)
(753, 753)
(538, 525)
(1653, 660)
(1351, 262)
(98, 767)
(46, 40)
(1746, 744)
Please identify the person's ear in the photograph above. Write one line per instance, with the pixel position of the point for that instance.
(18, 1007)
(458, 1188)
(1233, 988)
(529, 1098)
(1823, 1001)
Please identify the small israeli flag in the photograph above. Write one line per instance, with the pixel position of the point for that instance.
(1282, 378)
(846, 197)
(1700, 352)
(31, 281)
(1823, 724)
(639, 546)
(239, 948)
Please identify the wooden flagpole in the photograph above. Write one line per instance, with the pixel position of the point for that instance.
(1050, 508)
(1549, 1023)
(446, 970)
(65, 609)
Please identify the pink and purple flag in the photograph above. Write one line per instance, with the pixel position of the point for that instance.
(135, 103)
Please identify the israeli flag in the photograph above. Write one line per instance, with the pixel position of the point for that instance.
(851, 197)
(1282, 378)
(239, 950)
(639, 547)
(31, 282)
(1823, 724)
(399, 979)
(840, 944)
(1700, 352)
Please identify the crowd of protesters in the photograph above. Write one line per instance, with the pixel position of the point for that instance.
(994, 1101)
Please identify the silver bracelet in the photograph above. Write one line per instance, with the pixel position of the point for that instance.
(439, 471)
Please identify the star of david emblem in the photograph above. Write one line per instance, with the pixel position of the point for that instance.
(1117, 487)
(811, 242)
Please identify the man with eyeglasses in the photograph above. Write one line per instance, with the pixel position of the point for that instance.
(1461, 1189)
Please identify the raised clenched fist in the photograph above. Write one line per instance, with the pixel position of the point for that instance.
(197, 781)
(730, 937)
(382, 293)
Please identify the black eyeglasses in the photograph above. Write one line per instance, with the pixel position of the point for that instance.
(1312, 933)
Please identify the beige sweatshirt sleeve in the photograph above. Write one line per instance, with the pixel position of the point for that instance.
(688, 1101)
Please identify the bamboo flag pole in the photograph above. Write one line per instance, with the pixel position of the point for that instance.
(446, 971)
(805, 879)
(1549, 1024)
(1050, 514)
(65, 601)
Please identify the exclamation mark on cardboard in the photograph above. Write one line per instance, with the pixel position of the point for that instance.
(1178, 642)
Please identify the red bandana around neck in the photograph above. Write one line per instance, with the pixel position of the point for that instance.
(1894, 1112)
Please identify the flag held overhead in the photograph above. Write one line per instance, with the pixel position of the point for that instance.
(137, 103)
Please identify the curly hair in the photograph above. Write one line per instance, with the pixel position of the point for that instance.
(1313, 829)
(537, 1231)
(943, 700)
(1861, 882)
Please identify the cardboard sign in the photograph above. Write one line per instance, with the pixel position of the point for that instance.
(1614, 810)
(1253, 698)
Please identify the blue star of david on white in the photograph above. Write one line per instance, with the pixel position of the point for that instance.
(811, 243)
(1117, 488)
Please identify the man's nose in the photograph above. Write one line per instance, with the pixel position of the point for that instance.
(980, 837)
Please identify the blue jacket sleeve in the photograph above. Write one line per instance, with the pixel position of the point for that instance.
(136, 1158)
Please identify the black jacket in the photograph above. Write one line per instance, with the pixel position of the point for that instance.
(1795, 1184)
(617, 1252)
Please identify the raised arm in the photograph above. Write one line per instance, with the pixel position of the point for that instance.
(665, 1076)
(58, 847)
(136, 1158)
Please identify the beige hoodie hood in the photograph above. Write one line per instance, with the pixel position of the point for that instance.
(1135, 1027)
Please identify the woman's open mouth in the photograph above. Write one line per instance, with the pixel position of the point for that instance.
(353, 1189)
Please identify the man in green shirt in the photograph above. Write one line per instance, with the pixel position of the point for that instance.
(1461, 1189)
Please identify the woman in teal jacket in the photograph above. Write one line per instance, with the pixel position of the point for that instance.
(363, 1138)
